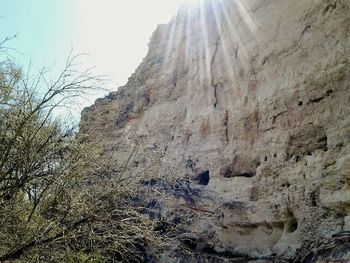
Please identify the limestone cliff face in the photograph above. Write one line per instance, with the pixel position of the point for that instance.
(250, 101)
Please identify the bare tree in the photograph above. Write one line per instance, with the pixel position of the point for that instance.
(40, 160)
(61, 198)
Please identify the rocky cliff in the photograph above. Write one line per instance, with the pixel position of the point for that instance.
(248, 103)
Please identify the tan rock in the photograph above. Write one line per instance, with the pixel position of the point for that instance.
(257, 93)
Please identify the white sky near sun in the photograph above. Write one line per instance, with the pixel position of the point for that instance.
(114, 33)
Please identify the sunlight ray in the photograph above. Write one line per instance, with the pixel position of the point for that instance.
(194, 4)
(220, 24)
(207, 49)
(235, 37)
(170, 41)
(188, 39)
(248, 19)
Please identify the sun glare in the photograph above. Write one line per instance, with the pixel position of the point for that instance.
(193, 3)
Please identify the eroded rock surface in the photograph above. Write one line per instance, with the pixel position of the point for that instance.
(249, 103)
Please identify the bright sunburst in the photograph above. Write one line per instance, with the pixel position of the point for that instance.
(205, 24)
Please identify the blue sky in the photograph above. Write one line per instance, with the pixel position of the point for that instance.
(44, 29)
(114, 33)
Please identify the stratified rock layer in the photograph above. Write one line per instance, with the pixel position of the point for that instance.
(250, 100)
